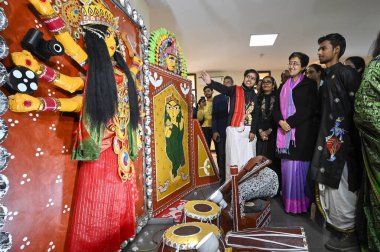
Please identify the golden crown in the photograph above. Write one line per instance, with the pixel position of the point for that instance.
(96, 12)
(171, 98)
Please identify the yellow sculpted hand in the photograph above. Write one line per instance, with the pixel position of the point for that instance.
(25, 59)
(23, 103)
(136, 65)
(73, 104)
(72, 48)
(43, 6)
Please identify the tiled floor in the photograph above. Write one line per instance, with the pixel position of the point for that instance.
(148, 239)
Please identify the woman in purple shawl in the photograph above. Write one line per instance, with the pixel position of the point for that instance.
(294, 112)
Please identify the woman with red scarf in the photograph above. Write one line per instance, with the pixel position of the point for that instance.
(241, 135)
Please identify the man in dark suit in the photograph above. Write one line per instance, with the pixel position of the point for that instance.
(219, 124)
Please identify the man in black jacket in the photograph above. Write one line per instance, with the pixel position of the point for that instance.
(336, 160)
(220, 105)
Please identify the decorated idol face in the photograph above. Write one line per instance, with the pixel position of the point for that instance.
(173, 109)
(171, 61)
(110, 41)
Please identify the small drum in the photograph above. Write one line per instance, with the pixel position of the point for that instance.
(201, 210)
(188, 236)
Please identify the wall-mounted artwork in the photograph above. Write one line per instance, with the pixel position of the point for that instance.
(45, 115)
(171, 145)
(171, 123)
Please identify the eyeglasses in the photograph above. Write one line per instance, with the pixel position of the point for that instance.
(293, 64)
(267, 82)
(251, 77)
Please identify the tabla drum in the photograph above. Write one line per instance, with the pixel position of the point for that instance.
(203, 211)
(188, 236)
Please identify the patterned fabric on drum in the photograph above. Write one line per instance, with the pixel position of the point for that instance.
(264, 185)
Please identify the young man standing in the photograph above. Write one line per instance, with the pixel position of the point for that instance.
(205, 114)
(220, 105)
(336, 160)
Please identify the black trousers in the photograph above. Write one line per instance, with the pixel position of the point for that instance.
(220, 148)
(207, 132)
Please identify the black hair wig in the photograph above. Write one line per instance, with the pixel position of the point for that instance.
(101, 94)
(134, 113)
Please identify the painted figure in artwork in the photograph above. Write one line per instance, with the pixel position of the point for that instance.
(174, 129)
(106, 138)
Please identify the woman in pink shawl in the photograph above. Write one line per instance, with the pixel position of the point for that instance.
(295, 112)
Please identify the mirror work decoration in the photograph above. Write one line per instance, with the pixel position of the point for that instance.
(46, 112)
(6, 237)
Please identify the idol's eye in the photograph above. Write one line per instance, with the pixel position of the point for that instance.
(108, 33)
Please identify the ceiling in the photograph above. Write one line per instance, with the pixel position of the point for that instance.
(214, 34)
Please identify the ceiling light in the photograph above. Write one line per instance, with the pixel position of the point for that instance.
(263, 40)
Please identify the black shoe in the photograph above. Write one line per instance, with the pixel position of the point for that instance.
(343, 243)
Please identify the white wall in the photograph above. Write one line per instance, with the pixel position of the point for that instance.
(143, 9)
